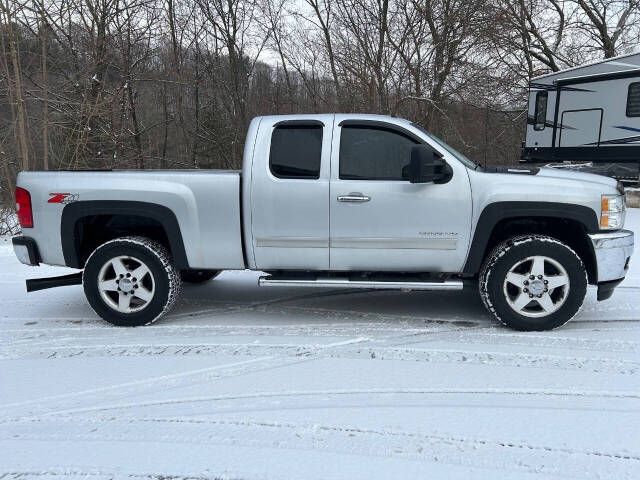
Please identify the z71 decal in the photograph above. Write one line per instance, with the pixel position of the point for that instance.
(63, 198)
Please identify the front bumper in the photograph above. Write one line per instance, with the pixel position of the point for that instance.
(26, 250)
(612, 251)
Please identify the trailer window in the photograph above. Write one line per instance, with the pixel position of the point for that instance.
(633, 100)
(540, 115)
(296, 151)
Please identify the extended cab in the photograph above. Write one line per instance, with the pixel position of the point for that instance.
(337, 201)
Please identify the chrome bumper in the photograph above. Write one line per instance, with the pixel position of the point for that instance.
(613, 251)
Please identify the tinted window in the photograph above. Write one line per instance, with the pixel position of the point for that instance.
(633, 100)
(540, 115)
(368, 153)
(296, 151)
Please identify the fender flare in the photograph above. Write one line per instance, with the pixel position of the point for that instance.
(73, 212)
(498, 211)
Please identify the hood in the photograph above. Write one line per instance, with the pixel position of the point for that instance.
(577, 176)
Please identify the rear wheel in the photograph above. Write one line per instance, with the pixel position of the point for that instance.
(131, 281)
(198, 276)
(533, 282)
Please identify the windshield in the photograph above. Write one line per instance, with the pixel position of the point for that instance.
(465, 161)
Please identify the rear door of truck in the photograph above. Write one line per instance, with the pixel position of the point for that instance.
(290, 193)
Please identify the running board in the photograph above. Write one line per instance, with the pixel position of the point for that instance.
(328, 282)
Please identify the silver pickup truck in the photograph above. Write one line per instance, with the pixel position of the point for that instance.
(335, 201)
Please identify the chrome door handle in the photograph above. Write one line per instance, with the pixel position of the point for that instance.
(354, 197)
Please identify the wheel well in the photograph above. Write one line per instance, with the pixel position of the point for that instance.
(85, 225)
(571, 232)
(94, 230)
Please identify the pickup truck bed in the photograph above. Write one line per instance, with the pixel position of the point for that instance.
(205, 204)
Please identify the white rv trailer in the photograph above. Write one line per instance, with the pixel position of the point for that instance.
(588, 113)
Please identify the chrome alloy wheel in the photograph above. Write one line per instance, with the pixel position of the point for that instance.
(536, 286)
(126, 284)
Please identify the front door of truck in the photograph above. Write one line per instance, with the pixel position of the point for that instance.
(380, 222)
(290, 193)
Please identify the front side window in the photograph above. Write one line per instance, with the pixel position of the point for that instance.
(296, 151)
(372, 153)
(462, 158)
(633, 100)
(540, 115)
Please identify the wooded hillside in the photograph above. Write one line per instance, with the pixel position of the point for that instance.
(168, 84)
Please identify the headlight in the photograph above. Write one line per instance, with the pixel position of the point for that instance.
(612, 212)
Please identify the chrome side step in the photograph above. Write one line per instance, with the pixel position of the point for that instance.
(329, 282)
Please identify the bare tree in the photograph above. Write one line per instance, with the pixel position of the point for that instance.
(365, 54)
(323, 18)
(13, 71)
(610, 25)
(158, 83)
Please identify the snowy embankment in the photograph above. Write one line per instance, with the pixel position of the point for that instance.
(241, 382)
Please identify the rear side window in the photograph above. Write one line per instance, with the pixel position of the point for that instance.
(296, 151)
(369, 153)
(540, 115)
(633, 100)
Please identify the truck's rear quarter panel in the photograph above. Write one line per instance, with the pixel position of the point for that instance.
(206, 205)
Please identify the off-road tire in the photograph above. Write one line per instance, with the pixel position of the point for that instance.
(505, 255)
(156, 257)
(198, 276)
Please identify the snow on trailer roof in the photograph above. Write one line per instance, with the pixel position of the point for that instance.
(612, 64)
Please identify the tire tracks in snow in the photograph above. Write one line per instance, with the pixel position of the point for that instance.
(472, 451)
(544, 392)
(379, 352)
(300, 354)
(114, 391)
(502, 359)
(546, 341)
(52, 335)
(164, 382)
(393, 345)
(274, 356)
(96, 474)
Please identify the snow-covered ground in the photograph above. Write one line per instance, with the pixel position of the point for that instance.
(248, 383)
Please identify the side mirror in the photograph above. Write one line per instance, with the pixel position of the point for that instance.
(427, 166)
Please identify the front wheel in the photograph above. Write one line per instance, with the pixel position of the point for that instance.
(533, 282)
(131, 281)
